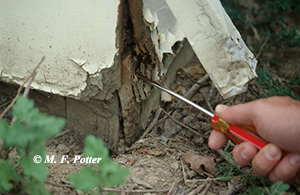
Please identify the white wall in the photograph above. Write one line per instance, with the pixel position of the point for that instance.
(77, 37)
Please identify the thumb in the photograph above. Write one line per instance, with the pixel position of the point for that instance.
(237, 114)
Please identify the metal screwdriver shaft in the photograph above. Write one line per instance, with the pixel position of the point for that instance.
(175, 94)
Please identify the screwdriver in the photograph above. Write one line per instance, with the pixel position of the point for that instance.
(237, 133)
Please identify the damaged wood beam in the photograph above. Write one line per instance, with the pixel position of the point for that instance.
(134, 54)
(131, 110)
(144, 46)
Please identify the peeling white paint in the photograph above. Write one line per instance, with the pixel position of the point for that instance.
(217, 43)
(165, 30)
(79, 62)
(241, 53)
(91, 68)
(151, 19)
(76, 37)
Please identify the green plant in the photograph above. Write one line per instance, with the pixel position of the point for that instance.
(271, 13)
(278, 188)
(289, 37)
(268, 17)
(227, 170)
(27, 134)
(273, 88)
(275, 189)
(295, 80)
(258, 185)
(104, 174)
(284, 5)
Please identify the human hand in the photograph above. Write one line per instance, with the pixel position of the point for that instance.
(277, 120)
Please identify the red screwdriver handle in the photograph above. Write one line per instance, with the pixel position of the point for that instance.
(246, 136)
(238, 133)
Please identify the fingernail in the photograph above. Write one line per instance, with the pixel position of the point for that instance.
(295, 159)
(220, 107)
(245, 154)
(272, 152)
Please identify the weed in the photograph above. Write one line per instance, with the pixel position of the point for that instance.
(104, 174)
(295, 80)
(284, 5)
(269, 19)
(27, 134)
(289, 37)
(275, 88)
(226, 170)
(275, 189)
(258, 185)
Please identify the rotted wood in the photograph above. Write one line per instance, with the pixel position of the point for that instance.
(137, 54)
(145, 50)
(131, 110)
(145, 55)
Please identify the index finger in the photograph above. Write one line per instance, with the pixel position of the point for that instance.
(237, 114)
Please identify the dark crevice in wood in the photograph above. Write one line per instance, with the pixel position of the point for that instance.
(131, 110)
(137, 53)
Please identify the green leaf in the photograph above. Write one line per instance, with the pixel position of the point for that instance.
(28, 135)
(4, 128)
(254, 190)
(112, 173)
(95, 147)
(224, 178)
(108, 174)
(85, 180)
(33, 187)
(97, 192)
(35, 170)
(228, 154)
(22, 107)
(41, 125)
(8, 174)
(19, 131)
(279, 187)
(37, 147)
(45, 125)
